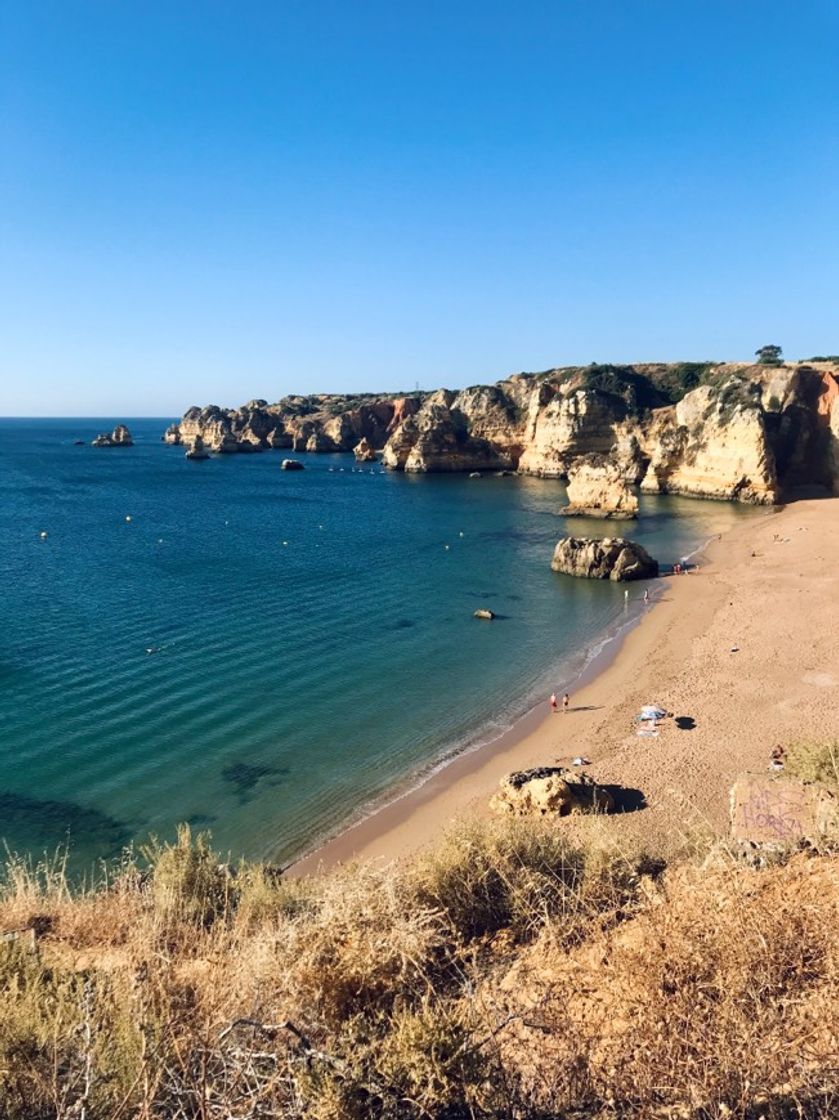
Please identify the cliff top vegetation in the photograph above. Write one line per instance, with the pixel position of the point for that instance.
(513, 971)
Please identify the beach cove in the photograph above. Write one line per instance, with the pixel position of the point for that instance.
(744, 652)
(271, 655)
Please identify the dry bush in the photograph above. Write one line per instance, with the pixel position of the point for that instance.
(510, 973)
(814, 762)
(721, 996)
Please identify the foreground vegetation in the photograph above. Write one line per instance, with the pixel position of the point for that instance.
(509, 973)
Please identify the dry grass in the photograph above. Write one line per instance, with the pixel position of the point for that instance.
(814, 762)
(510, 973)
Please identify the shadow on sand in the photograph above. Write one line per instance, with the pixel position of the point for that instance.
(626, 799)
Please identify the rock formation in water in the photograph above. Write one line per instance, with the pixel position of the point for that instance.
(197, 450)
(119, 437)
(603, 558)
(598, 488)
(364, 451)
(316, 423)
(732, 430)
(291, 465)
(550, 790)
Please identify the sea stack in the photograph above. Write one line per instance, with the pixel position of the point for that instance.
(119, 437)
(364, 451)
(197, 450)
(598, 488)
(606, 558)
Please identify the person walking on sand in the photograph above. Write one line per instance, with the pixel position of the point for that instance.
(566, 700)
(554, 706)
(646, 595)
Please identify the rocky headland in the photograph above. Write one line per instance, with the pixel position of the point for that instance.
(751, 433)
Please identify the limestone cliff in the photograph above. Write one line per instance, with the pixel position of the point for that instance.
(325, 422)
(732, 431)
(598, 488)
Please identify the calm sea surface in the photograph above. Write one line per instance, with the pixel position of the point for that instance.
(312, 632)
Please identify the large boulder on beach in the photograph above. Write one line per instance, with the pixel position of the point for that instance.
(611, 558)
(598, 488)
(119, 437)
(550, 790)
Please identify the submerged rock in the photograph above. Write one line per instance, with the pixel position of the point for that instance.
(603, 558)
(550, 790)
(291, 465)
(119, 437)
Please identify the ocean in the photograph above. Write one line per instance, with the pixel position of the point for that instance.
(265, 654)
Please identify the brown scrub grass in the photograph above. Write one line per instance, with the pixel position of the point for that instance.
(515, 970)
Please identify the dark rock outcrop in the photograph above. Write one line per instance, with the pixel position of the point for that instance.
(291, 465)
(119, 437)
(606, 558)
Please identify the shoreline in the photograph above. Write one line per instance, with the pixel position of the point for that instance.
(616, 678)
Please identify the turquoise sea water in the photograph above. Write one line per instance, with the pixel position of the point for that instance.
(313, 638)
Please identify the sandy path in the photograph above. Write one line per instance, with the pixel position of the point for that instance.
(780, 607)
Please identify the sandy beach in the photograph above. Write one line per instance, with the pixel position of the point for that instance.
(768, 588)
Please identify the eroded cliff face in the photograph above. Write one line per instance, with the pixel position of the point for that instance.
(315, 423)
(731, 431)
(712, 443)
(597, 487)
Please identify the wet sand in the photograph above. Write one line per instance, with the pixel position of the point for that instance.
(771, 589)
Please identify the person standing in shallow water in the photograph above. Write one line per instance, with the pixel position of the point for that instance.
(566, 700)
(554, 706)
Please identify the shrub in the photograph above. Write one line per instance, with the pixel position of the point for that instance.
(188, 882)
(814, 762)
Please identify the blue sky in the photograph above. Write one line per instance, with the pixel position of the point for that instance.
(210, 202)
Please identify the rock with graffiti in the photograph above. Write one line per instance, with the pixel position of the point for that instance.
(778, 810)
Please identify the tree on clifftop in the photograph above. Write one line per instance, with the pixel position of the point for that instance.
(769, 356)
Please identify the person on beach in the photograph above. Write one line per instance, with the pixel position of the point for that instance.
(646, 595)
(554, 705)
(626, 594)
(566, 700)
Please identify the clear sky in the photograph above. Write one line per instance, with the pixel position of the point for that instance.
(208, 202)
